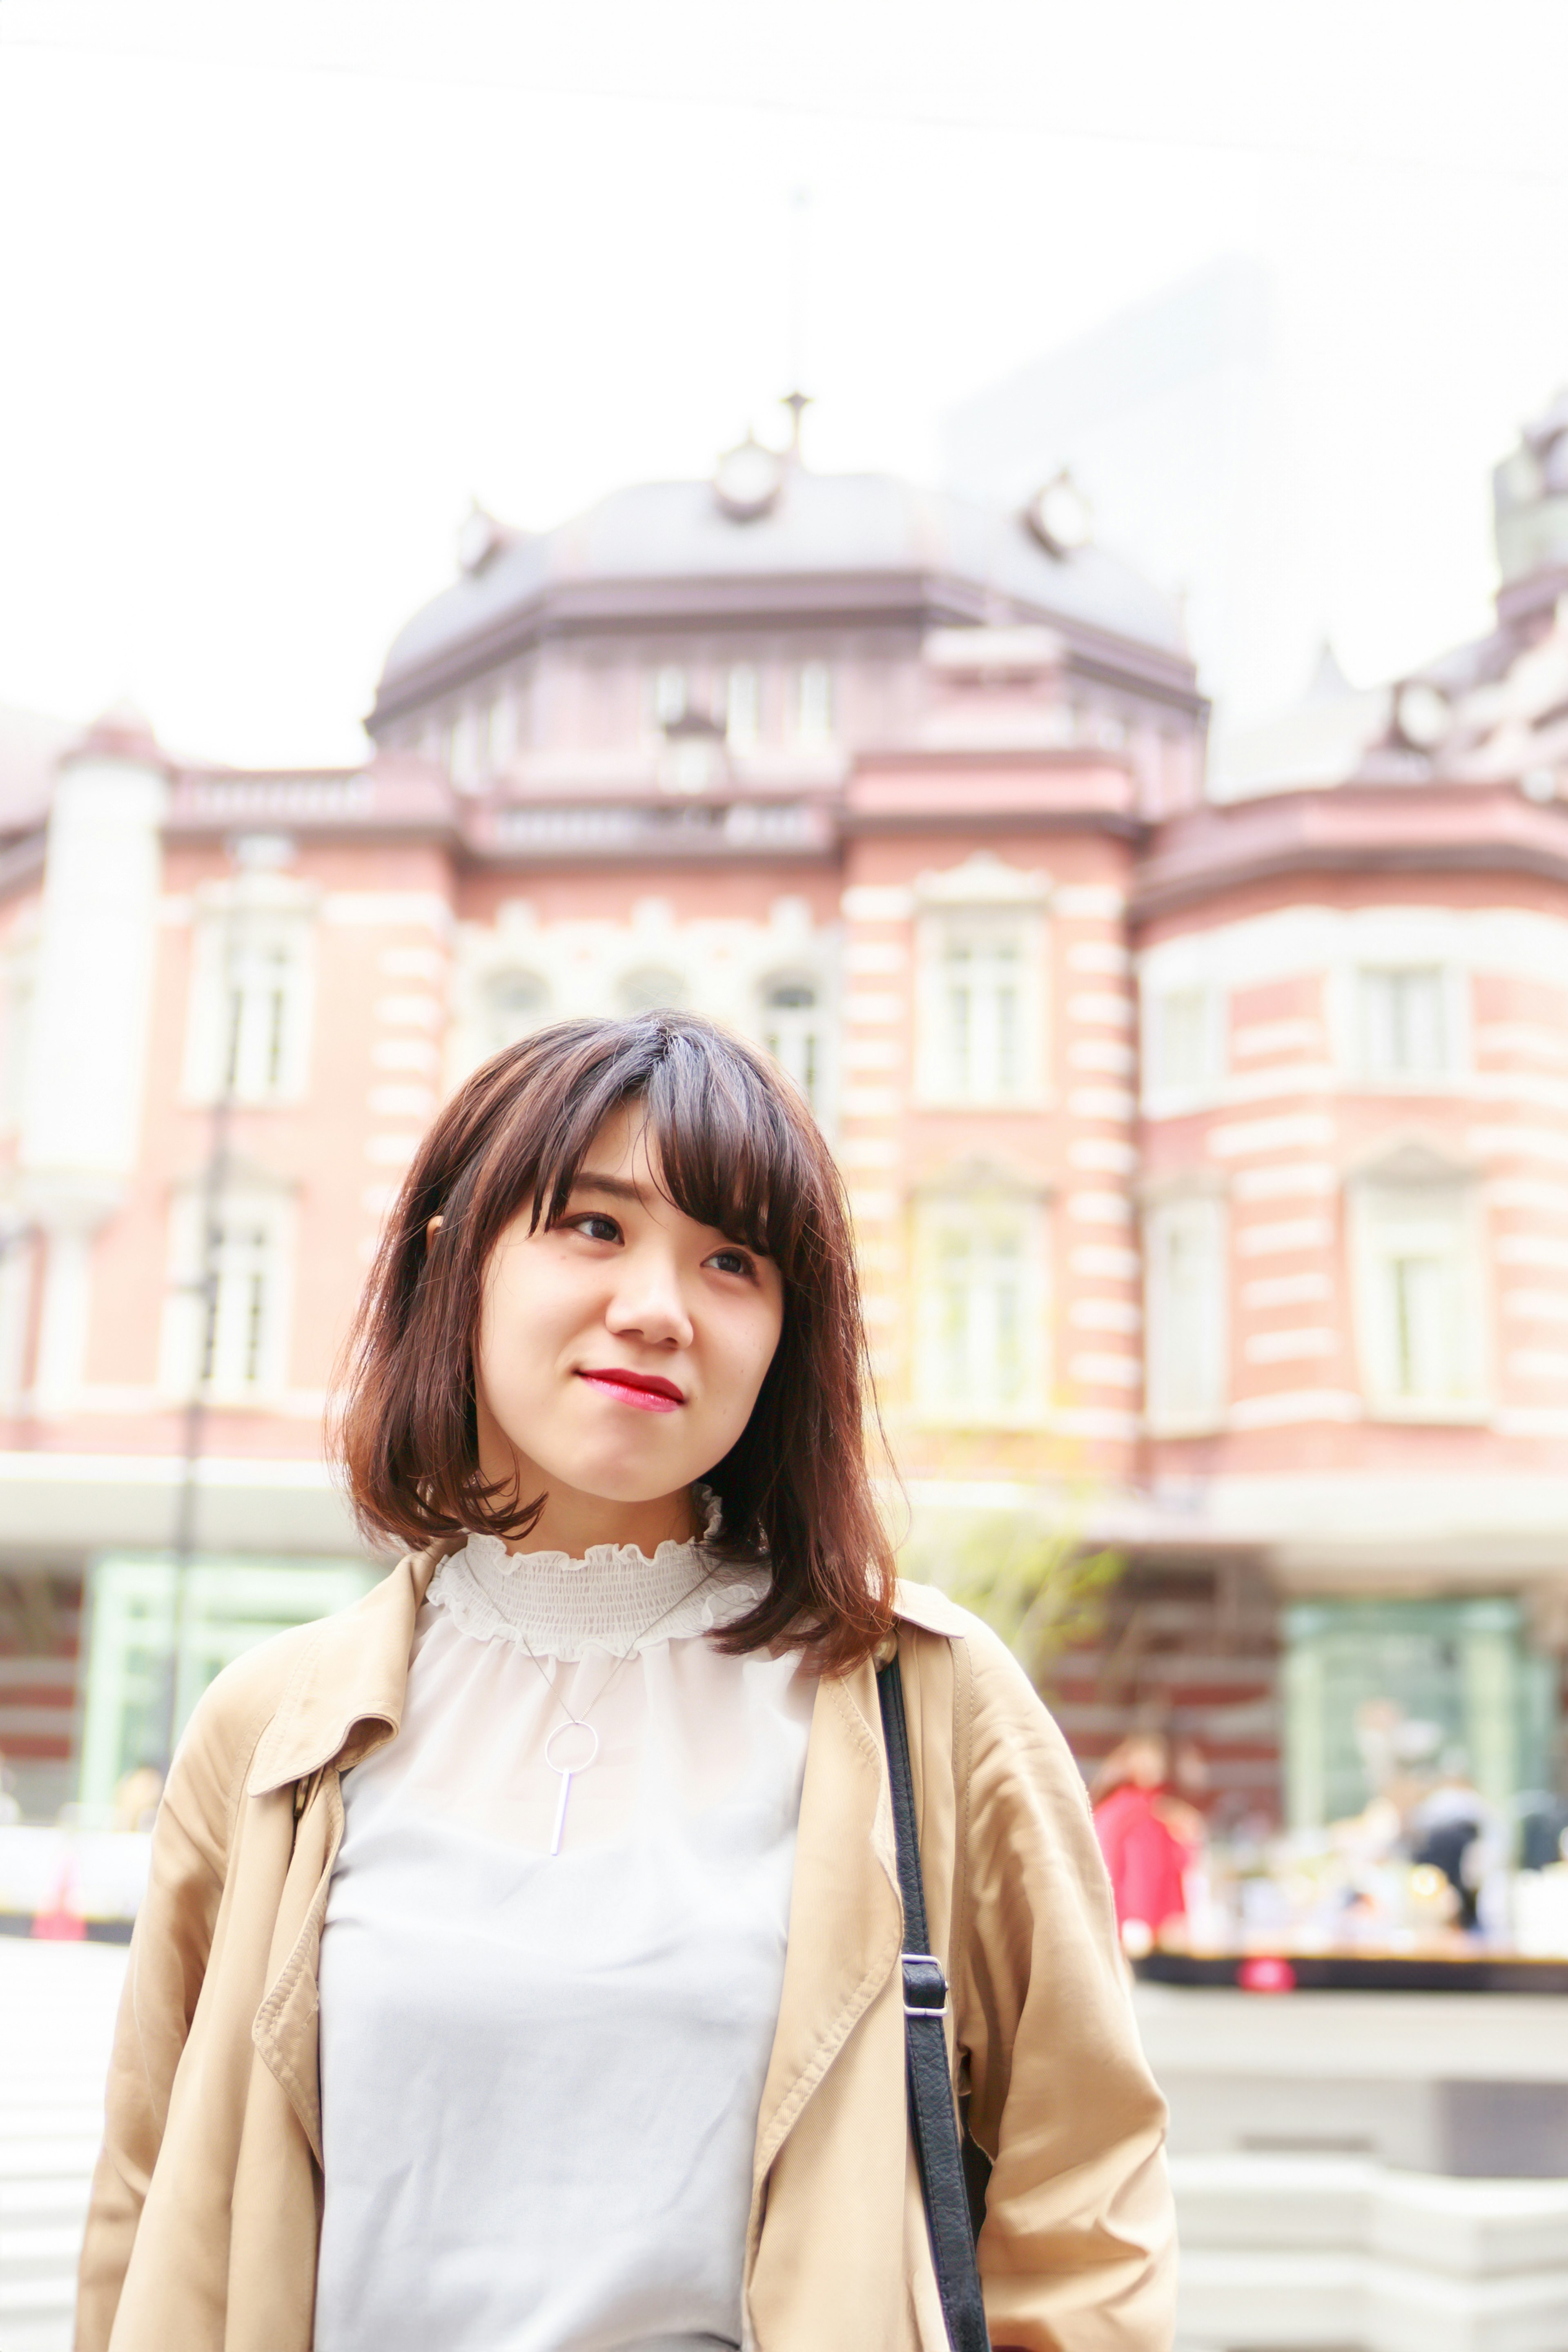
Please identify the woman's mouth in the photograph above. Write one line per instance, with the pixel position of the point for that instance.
(645, 1391)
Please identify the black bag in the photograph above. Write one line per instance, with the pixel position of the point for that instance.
(933, 2120)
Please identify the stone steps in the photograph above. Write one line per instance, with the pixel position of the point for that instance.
(57, 2015)
(1311, 2253)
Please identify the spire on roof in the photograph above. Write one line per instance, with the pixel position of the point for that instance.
(1328, 682)
(123, 731)
(797, 403)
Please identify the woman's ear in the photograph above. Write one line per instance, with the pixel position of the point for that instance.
(432, 1228)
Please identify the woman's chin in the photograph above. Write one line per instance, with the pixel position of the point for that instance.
(620, 1483)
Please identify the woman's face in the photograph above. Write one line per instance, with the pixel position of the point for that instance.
(620, 1351)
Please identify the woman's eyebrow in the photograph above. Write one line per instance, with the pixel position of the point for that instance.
(617, 1187)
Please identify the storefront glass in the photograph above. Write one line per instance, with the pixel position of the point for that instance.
(1374, 1686)
(225, 1607)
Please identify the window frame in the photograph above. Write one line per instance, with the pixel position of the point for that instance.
(485, 1039)
(287, 914)
(936, 1405)
(743, 728)
(818, 1027)
(648, 970)
(19, 988)
(181, 1376)
(1163, 1096)
(1381, 1205)
(814, 699)
(1207, 1211)
(937, 927)
(1451, 979)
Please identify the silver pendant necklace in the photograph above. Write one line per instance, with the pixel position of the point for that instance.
(573, 1746)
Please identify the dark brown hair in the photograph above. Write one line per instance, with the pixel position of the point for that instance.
(739, 1151)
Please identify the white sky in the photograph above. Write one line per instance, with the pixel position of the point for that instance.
(279, 287)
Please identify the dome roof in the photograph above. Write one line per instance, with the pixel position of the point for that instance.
(825, 527)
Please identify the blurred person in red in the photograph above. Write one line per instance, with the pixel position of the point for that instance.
(1150, 1836)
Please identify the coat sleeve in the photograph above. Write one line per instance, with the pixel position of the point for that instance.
(1077, 2252)
(164, 1980)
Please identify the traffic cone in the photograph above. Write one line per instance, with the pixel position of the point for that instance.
(60, 1923)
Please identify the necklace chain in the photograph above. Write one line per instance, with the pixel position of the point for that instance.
(568, 1772)
(627, 1655)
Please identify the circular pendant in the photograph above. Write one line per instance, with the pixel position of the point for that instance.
(572, 1756)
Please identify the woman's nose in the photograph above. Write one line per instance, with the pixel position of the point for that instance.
(649, 1304)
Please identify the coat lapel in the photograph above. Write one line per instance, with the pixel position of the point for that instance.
(846, 1919)
(346, 1695)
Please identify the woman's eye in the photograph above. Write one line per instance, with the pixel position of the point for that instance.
(732, 1262)
(595, 1228)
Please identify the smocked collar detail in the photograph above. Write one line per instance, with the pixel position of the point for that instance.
(616, 1598)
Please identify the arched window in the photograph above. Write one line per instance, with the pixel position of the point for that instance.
(512, 1003)
(651, 990)
(793, 1032)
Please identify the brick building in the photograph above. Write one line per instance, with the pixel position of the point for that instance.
(1206, 1156)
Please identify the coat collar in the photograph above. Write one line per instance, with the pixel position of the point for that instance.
(346, 1693)
(345, 1696)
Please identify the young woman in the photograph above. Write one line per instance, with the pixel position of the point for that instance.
(520, 1969)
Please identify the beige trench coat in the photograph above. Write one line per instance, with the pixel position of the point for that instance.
(208, 2197)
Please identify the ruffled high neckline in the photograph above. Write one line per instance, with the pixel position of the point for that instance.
(616, 1598)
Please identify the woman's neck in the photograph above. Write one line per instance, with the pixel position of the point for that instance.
(573, 1522)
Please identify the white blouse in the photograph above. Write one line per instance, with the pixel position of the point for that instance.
(541, 2075)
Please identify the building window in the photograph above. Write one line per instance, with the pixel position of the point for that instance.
(250, 1007)
(1187, 1313)
(17, 1257)
(1418, 1281)
(1406, 1022)
(1183, 1046)
(980, 985)
(793, 1035)
(980, 1316)
(226, 1335)
(17, 992)
(742, 705)
(1378, 1690)
(651, 990)
(224, 1608)
(814, 706)
(669, 696)
(511, 1005)
(471, 748)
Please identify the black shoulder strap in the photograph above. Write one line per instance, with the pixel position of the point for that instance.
(933, 2118)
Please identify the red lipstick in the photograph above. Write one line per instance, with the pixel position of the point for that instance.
(644, 1392)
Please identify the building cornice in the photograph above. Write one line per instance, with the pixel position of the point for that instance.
(1212, 851)
(909, 601)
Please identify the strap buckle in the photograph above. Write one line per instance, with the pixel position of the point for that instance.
(925, 1985)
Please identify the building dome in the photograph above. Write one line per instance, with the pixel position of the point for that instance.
(850, 546)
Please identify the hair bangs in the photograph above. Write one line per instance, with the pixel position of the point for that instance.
(724, 1151)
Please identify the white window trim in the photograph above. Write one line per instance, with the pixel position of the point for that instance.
(818, 1018)
(1160, 1099)
(932, 1212)
(669, 696)
(652, 967)
(816, 717)
(271, 899)
(933, 1087)
(1163, 1418)
(744, 710)
(1369, 1200)
(1454, 981)
(495, 973)
(19, 987)
(1371, 951)
(183, 1325)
